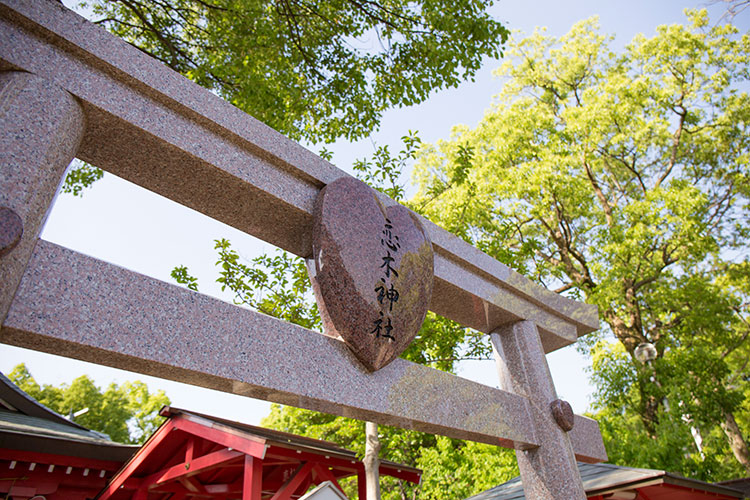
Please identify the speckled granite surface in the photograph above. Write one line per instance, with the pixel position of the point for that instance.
(371, 271)
(548, 471)
(77, 306)
(200, 151)
(40, 128)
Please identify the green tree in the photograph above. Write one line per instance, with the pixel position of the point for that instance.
(451, 468)
(622, 178)
(316, 70)
(127, 413)
(313, 69)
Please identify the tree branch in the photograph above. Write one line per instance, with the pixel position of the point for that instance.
(675, 140)
(599, 193)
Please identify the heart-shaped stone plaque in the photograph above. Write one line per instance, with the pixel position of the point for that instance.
(371, 271)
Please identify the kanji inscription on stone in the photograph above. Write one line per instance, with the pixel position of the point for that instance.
(371, 270)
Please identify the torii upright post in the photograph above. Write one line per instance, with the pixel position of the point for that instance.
(548, 471)
(41, 126)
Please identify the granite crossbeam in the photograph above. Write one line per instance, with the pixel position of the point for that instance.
(151, 126)
(74, 305)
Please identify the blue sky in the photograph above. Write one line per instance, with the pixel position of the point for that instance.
(121, 223)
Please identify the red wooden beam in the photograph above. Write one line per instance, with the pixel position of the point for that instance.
(325, 474)
(344, 464)
(294, 482)
(190, 449)
(224, 488)
(361, 485)
(252, 478)
(131, 483)
(191, 468)
(22, 476)
(276, 474)
(53, 459)
(187, 486)
(305, 485)
(351, 465)
(406, 475)
(191, 484)
(125, 474)
(253, 446)
(43, 485)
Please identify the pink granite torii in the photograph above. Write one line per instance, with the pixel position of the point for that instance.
(69, 89)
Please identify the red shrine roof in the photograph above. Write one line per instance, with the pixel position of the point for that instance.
(26, 425)
(603, 481)
(44, 453)
(190, 456)
(198, 456)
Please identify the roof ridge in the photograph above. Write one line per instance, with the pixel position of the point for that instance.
(23, 403)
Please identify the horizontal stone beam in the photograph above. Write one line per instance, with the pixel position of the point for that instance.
(153, 127)
(77, 306)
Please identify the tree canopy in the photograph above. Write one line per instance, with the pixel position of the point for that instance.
(312, 69)
(127, 413)
(622, 179)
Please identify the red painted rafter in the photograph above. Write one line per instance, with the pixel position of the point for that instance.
(140, 494)
(343, 464)
(125, 474)
(191, 484)
(269, 461)
(224, 488)
(361, 485)
(293, 483)
(255, 447)
(324, 473)
(190, 449)
(193, 467)
(174, 488)
(58, 460)
(305, 486)
(22, 476)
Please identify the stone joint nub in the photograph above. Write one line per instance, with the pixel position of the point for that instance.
(563, 414)
(11, 230)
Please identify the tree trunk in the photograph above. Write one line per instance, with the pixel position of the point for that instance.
(630, 337)
(736, 441)
(371, 461)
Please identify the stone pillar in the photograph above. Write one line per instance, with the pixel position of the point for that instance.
(549, 471)
(41, 126)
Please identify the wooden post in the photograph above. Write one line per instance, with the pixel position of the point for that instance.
(252, 484)
(361, 485)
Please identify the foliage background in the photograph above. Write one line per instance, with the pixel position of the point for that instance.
(127, 413)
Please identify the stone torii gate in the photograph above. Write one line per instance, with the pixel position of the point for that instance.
(69, 89)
